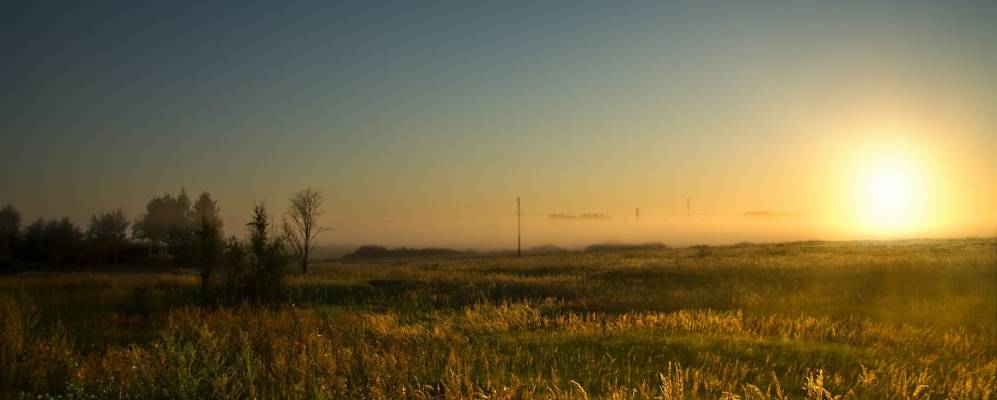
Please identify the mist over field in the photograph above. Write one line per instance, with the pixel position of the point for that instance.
(674, 230)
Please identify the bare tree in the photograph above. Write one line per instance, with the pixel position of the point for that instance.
(301, 225)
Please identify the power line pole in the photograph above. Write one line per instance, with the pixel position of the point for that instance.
(688, 207)
(519, 235)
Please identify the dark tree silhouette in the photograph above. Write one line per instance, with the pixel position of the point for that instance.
(171, 221)
(205, 208)
(301, 225)
(107, 233)
(256, 266)
(153, 225)
(54, 242)
(209, 245)
(33, 248)
(266, 259)
(180, 228)
(65, 238)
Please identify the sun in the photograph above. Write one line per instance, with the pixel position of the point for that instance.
(890, 195)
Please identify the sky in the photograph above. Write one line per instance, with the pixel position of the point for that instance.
(422, 122)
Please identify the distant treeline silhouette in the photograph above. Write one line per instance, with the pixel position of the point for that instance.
(376, 251)
(371, 251)
(613, 246)
(58, 243)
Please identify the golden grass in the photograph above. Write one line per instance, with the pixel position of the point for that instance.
(909, 320)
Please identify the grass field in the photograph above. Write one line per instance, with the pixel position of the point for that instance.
(814, 320)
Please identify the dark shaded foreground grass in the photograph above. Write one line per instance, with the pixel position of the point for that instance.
(895, 320)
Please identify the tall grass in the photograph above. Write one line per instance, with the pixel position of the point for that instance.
(905, 320)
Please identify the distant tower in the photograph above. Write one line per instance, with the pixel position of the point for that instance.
(637, 214)
(688, 207)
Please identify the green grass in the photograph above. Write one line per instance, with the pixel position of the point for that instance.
(817, 320)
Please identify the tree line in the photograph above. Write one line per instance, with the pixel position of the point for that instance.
(175, 230)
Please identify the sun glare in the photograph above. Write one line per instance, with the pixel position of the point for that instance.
(890, 195)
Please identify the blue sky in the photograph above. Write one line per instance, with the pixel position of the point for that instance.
(443, 111)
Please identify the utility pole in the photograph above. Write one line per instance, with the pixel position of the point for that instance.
(688, 207)
(637, 214)
(519, 235)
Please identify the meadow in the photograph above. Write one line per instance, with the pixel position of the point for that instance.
(807, 320)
